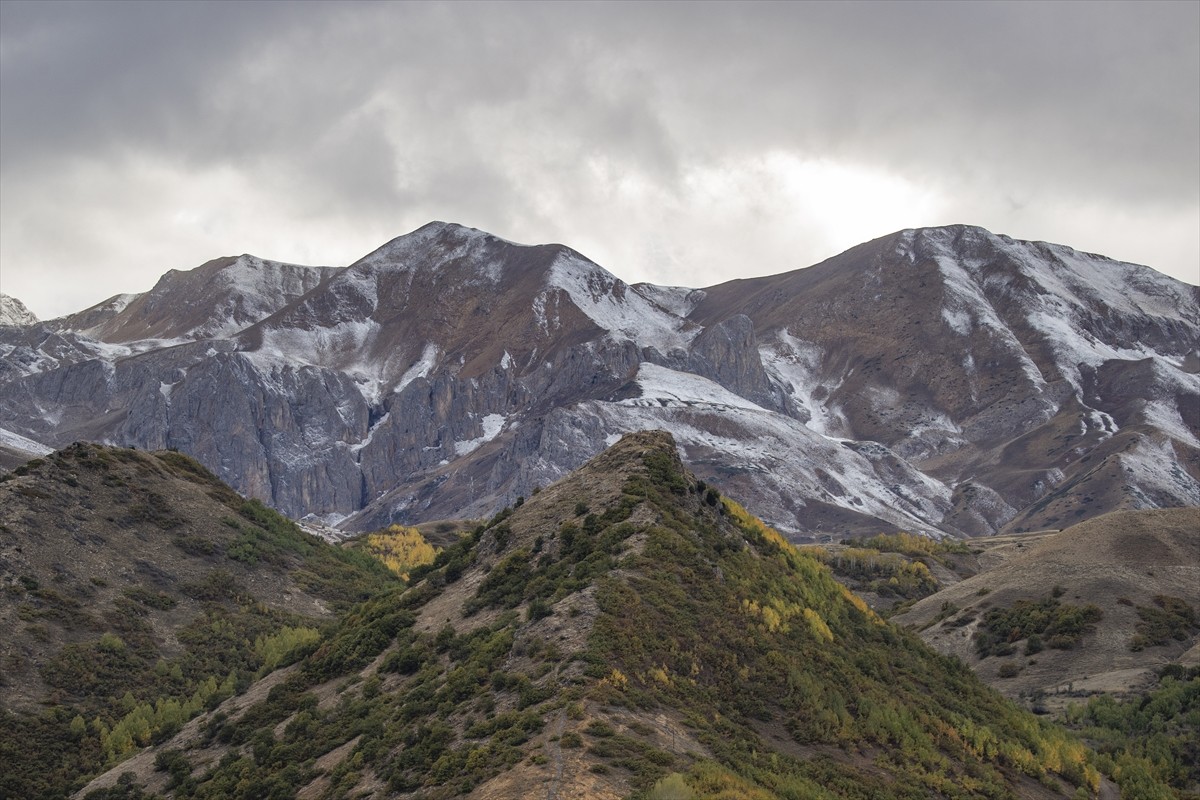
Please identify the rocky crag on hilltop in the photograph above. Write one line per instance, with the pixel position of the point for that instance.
(942, 381)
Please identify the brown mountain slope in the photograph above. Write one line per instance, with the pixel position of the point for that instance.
(1001, 367)
(217, 298)
(1120, 563)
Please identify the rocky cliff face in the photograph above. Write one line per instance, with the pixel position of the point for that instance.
(943, 380)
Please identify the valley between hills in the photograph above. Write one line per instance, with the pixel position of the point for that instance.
(469, 518)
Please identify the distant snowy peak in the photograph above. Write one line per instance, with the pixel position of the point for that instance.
(436, 246)
(1083, 309)
(215, 300)
(467, 292)
(14, 313)
(251, 289)
(1052, 269)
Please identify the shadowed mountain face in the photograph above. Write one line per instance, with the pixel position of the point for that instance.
(942, 380)
(625, 632)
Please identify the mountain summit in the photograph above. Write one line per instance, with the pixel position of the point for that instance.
(947, 381)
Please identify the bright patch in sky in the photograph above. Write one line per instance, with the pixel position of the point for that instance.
(848, 203)
(852, 203)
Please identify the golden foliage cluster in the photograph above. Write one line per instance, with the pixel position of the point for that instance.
(401, 549)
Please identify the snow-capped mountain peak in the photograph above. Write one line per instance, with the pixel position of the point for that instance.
(13, 312)
(945, 380)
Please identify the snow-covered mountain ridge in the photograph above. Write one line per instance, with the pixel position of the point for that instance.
(945, 380)
(14, 312)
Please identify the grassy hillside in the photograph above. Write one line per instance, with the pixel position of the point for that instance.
(626, 632)
(1135, 576)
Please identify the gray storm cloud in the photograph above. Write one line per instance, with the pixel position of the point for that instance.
(680, 143)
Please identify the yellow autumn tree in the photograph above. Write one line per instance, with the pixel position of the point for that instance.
(401, 549)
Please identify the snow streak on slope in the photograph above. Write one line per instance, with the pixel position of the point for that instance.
(613, 306)
(678, 300)
(1151, 467)
(15, 441)
(662, 387)
(795, 366)
(421, 369)
(1066, 283)
(966, 307)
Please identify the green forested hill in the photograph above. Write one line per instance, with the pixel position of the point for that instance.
(625, 632)
(137, 590)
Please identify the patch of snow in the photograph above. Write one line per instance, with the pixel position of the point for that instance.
(370, 388)
(541, 318)
(506, 361)
(958, 320)
(22, 444)
(1152, 464)
(615, 307)
(678, 300)
(1165, 416)
(121, 302)
(324, 526)
(492, 424)
(421, 369)
(662, 387)
(354, 448)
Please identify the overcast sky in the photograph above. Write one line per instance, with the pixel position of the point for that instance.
(671, 142)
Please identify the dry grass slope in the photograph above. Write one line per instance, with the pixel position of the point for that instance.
(1117, 562)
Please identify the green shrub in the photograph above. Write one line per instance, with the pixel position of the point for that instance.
(1169, 618)
(1055, 624)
